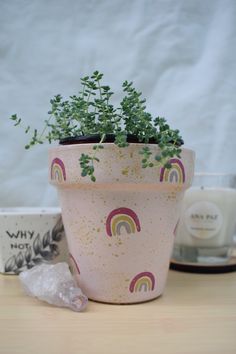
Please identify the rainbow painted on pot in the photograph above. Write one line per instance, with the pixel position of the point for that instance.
(176, 226)
(58, 171)
(122, 218)
(74, 265)
(144, 281)
(175, 174)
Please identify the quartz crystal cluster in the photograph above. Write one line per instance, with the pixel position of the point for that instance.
(55, 285)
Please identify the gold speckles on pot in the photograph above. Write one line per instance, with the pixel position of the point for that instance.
(125, 171)
(171, 196)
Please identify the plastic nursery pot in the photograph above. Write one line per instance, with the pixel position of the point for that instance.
(120, 229)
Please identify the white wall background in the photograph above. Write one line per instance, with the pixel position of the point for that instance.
(180, 54)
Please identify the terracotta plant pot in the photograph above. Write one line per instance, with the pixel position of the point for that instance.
(120, 229)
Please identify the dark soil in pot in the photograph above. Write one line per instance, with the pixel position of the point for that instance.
(110, 138)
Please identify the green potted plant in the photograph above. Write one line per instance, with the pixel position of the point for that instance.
(121, 176)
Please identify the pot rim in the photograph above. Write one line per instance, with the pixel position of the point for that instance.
(140, 145)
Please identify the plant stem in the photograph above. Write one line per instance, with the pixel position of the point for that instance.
(45, 128)
(97, 147)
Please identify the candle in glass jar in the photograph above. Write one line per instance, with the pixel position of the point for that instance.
(207, 218)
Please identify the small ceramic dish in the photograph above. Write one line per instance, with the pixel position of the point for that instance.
(30, 236)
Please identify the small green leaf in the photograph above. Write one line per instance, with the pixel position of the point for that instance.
(168, 165)
(13, 117)
(93, 178)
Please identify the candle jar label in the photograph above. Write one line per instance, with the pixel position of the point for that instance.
(203, 220)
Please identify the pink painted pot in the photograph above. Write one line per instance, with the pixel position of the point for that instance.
(120, 229)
